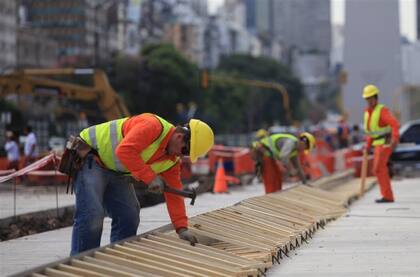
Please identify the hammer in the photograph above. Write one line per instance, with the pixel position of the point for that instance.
(190, 194)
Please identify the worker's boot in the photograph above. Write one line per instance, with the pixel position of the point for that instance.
(383, 200)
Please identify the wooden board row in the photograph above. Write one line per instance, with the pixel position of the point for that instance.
(240, 240)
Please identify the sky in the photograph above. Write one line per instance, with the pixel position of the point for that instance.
(407, 14)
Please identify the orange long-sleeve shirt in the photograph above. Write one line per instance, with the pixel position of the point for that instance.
(138, 133)
(386, 119)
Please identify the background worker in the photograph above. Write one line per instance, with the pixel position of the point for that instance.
(12, 150)
(148, 148)
(30, 149)
(381, 128)
(280, 147)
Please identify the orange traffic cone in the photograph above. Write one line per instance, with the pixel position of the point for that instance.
(220, 184)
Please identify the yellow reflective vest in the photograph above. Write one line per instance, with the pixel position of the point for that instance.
(106, 137)
(374, 130)
(271, 143)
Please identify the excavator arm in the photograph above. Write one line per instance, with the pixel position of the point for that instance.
(39, 82)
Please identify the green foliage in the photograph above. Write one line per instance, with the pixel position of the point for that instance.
(17, 117)
(156, 81)
(239, 108)
(161, 77)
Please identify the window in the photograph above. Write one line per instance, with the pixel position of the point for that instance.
(411, 135)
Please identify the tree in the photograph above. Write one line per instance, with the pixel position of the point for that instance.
(239, 108)
(156, 81)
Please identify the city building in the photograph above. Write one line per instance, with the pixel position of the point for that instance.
(371, 55)
(8, 34)
(83, 29)
(35, 49)
(407, 100)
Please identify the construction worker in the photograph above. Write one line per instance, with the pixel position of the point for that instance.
(148, 148)
(285, 148)
(381, 128)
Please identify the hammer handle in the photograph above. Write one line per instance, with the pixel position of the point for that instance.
(184, 193)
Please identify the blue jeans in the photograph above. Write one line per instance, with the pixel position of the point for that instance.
(101, 192)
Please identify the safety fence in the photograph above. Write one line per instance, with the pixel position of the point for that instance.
(33, 170)
(245, 239)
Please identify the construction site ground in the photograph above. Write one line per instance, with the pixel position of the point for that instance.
(370, 240)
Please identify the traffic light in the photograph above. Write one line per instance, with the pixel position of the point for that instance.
(204, 79)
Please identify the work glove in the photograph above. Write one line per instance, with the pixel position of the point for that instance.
(156, 185)
(185, 234)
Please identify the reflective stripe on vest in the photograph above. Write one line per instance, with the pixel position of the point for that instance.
(374, 130)
(271, 143)
(106, 137)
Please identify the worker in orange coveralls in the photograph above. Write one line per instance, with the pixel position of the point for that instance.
(381, 128)
(148, 148)
(286, 148)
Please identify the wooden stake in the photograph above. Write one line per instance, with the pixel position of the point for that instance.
(364, 172)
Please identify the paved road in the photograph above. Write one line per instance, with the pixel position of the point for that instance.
(31, 251)
(371, 240)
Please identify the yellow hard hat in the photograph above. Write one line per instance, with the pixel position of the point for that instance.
(369, 91)
(310, 138)
(202, 139)
(261, 133)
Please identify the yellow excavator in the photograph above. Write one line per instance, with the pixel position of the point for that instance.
(44, 82)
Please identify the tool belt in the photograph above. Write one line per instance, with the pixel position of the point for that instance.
(73, 157)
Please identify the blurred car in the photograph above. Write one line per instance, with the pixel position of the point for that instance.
(406, 155)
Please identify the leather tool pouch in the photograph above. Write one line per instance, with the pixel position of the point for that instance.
(73, 157)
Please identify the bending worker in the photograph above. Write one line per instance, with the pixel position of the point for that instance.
(285, 148)
(381, 128)
(148, 148)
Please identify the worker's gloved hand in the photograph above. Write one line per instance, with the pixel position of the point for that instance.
(156, 185)
(185, 234)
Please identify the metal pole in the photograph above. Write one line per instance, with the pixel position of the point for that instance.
(14, 197)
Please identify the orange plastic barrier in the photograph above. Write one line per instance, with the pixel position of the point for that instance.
(236, 160)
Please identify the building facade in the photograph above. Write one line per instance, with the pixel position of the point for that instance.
(8, 34)
(371, 59)
(84, 30)
(35, 49)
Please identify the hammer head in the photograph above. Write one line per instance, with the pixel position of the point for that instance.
(193, 196)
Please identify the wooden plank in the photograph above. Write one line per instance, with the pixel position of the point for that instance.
(282, 224)
(101, 269)
(232, 240)
(58, 273)
(148, 266)
(212, 261)
(207, 250)
(319, 198)
(293, 214)
(253, 223)
(158, 250)
(140, 254)
(292, 227)
(38, 275)
(127, 270)
(226, 228)
(80, 271)
(192, 251)
(237, 236)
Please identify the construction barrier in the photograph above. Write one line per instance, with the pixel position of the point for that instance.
(33, 173)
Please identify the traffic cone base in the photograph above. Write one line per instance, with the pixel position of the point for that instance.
(220, 184)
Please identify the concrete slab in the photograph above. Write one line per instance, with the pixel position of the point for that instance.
(370, 240)
(28, 199)
(31, 251)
